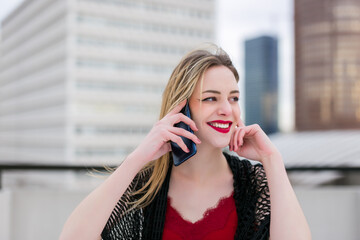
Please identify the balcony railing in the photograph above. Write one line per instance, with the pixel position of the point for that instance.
(5, 167)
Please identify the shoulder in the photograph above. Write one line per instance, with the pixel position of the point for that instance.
(243, 166)
(251, 193)
(248, 175)
(126, 222)
(140, 179)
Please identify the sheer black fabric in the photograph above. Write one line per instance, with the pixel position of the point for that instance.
(125, 224)
(252, 200)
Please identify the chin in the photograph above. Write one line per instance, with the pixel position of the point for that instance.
(216, 140)
(220, 144)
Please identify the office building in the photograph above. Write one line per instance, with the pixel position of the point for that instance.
(327, 64)
(81, 80)
(261, 83)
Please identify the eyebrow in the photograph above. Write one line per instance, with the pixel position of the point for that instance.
(217, 92)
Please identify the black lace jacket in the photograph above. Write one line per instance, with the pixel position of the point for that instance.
(252, 200)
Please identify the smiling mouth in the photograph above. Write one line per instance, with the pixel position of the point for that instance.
(223, 127)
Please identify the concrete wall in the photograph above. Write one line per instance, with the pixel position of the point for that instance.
(5, 217)
(36, 214)
(332, 212)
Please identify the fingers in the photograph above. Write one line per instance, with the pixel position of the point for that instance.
(180, 142)
(236, 139)
(246, 132)
(240, 138)
(182, 118)
(174, 134)
(174, 116)
(184, 133)
(231, 142)
(169, 132)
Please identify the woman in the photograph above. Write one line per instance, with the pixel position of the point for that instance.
(212, 195)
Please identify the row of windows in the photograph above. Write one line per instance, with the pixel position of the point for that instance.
(131, 45)
(111, 130)
(158, 7)
(346, 11)
(143, 26)
(320, 74)
(115, 65)
(113, 108)
(351, 25)
(103, 151)
(119, 86)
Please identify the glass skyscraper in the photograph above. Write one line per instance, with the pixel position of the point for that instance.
(261, 83)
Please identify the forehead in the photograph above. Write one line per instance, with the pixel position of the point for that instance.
(218, 78)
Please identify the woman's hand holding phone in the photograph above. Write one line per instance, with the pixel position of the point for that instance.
(178, 155)
(157, 142)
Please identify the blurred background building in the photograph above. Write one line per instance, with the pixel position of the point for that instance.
(327, 64)
(81, 80)
(261, 83)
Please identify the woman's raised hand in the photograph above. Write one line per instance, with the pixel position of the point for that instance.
(251, 142)
(157, 142)
(84, 222)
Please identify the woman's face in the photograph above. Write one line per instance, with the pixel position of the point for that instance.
(220, 111)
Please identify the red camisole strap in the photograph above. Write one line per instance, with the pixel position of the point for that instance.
(217, 223)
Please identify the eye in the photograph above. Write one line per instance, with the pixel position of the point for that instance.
(209, 99)
(234, 99)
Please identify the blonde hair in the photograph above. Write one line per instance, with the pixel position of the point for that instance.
(180, 86)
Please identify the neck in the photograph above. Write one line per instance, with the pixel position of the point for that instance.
(206, 163)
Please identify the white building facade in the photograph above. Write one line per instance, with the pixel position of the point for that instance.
(81, 80)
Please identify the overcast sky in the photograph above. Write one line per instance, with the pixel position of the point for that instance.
(238, 20)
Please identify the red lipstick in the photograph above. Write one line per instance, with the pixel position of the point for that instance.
(217, 125)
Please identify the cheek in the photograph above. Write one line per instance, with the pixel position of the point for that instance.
(199, 121)
(197, 113)
(237, 115)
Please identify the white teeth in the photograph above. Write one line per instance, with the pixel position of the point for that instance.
(220, 125)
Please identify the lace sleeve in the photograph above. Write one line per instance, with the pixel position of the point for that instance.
(122, 223)
(258, 204)
(252, 199)
(262, 212)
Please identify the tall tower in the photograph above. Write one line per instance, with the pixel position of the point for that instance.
(327, 64)
(81, 80)
(261, 83)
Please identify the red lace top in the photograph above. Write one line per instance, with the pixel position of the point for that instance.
(217, 223)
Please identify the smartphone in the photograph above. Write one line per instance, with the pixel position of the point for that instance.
(179, 156)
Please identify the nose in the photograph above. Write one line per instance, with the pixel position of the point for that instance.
(224, 108)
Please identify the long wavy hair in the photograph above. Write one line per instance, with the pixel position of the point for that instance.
(180, 86)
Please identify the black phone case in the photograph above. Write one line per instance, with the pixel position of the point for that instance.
(179, 156)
